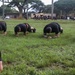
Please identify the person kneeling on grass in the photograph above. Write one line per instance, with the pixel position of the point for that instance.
(20, 28)
(24, 27)
(1, 64)
(52, 28)
(3, 27)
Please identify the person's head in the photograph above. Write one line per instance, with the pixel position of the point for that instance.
(32, 29)
(61, 30)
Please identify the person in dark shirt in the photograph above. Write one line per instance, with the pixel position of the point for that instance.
(24, 27)
(52, 28)
(1, 63)
(20, 28)
(3, 27)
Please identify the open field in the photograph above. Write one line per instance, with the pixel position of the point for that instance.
(35, 55)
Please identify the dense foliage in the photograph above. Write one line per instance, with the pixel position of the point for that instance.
(24, 5)
(66, 6)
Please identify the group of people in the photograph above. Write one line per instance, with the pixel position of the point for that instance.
(25, 27)
(53, 27)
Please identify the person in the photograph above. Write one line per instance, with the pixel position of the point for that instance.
(3, 27)
(53, 27)
(1, 63)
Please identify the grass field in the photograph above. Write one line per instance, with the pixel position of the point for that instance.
(35, 55)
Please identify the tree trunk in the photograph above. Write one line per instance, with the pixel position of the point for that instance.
(20, 16)
(20, 13)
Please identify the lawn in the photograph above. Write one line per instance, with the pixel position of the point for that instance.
(35, 55)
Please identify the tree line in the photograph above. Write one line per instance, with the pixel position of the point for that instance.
(61, 7)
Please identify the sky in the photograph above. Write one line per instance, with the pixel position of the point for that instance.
(46, 2)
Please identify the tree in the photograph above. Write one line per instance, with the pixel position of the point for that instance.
(65, 6)
(23, 4)
(19, 4)
(47, 9)
(38, 6)
(8, 9)
(0, 11)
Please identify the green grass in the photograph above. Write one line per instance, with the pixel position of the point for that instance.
(35, 55)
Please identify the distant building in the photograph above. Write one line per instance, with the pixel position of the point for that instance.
(42, 14)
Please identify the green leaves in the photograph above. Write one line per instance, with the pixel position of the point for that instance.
(65, 5)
